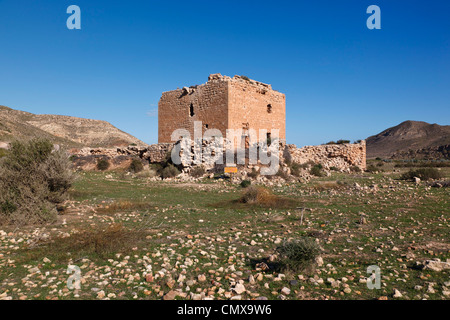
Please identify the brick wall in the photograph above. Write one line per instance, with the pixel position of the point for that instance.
(222, 103)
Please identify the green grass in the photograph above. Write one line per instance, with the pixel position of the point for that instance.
(205, 222)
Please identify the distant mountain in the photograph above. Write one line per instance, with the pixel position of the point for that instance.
(64, 130)
(410, 139)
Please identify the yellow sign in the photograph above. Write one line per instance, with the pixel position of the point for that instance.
(230, 169)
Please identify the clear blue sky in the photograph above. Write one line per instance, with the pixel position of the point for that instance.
(341, 79)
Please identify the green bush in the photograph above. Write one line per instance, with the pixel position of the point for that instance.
(136, 166)
(316, 170)
(423, 174)
(298, 254)
(339, 142)
(355, 169)
(334, 169)
(245, 183)
(102, 164)
(169, 172)
(34, 179)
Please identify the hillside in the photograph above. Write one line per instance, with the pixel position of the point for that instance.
(64, 130)
(408, 139)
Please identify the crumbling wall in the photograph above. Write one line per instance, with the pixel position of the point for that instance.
(120, 157)
(341, 156)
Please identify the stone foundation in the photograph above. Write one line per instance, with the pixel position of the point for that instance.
(341, 156)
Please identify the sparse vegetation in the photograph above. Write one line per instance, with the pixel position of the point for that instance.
(339, 142)
(423, 174)
(114, 225)
(423, 164)
(372, 169)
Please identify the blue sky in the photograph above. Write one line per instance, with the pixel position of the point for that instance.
(341, 80)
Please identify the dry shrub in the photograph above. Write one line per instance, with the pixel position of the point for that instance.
(99, 242)
(150, 173)
(197, 172)
(355, 169)
(169, 172)
(34, 179)
(298, 254)
(123, 205)
(111, 240)
(253, 174)
(328, 185)
(295, 169)
(258, 195)
(261, 196)
(136, 166)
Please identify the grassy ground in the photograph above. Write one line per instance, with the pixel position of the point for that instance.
(135, 239)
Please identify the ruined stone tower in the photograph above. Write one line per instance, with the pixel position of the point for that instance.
(222, 103)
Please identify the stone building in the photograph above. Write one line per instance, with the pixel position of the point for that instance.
(223, 103)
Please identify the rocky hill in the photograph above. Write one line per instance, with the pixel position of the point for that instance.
(410, 139)
(64, 130)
